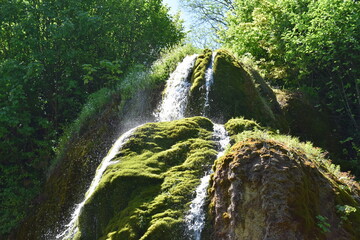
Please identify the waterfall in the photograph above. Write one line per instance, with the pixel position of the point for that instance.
(176, 93)
(195, 219)
(71, 227)
(209, 80)
(172, 107)
(221, 135)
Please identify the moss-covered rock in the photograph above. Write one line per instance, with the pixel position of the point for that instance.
(234, 93)
(69, 180)
(308, 122)
(271, 186)
(146, 194)
(237, 125)
(198, 84)
(267, 185)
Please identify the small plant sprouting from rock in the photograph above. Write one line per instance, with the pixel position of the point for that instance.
(345, 211)
(323, 224)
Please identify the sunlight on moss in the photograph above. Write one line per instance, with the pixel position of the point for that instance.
(314, 154)
(149, 189)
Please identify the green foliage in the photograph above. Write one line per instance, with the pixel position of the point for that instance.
(107, 71)
(345, 211)
(169, 58)
(18, 186)
(53, 55)
(323, 224)
(25, 140)
(305, 44)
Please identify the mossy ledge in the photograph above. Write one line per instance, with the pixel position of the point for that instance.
(275, 186)
(198, 89)
(234, 93)
(145, 195)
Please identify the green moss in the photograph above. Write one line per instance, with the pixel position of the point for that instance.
(234, 93)
(237, 125)
(318, 173)
(198, 77)
(145, 195)
(306, 202)
(169, 59)
(197, 89)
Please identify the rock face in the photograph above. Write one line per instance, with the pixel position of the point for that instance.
(268, 186)
(145, 195)
(234, 93)
(263, 189)
(198, 81)
(309, 123)
(83, 154)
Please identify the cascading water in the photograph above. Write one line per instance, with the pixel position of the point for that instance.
(172, 107)
(176, 93)
(209, 80)
(71, 227)
(195, 219)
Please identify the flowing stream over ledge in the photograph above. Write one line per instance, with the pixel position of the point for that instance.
(71, 228)
(176, 93)
(171, 108)
(195, 219)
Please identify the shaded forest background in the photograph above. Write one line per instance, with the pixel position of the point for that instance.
(62, 60)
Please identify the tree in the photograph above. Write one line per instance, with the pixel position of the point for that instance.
(212, 12)
(311, 44)
(53, 55)
(210, 17)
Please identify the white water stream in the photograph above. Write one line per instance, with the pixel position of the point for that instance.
(71, 227)
(195, 219)
(177, 91)
(172, 107)
(209, 80)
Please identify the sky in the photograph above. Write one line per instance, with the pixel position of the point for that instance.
(200, 39)
(175, 7)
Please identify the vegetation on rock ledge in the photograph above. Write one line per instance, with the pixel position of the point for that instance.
(265, 169)
(149, 189)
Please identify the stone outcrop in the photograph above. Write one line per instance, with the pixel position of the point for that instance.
(308, 122)
(146, 194)
(263, 189)
(234, 93)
